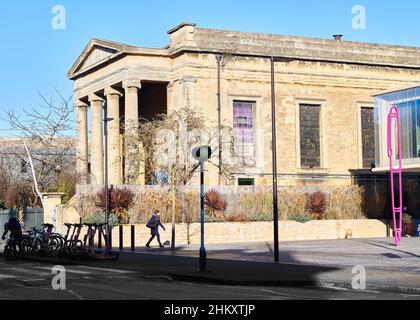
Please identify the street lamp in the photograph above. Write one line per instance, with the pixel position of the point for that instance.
(274, 155)
(219, 58)
(106, 179)
(202, 154)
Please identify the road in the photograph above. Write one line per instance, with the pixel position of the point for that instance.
(23, 280)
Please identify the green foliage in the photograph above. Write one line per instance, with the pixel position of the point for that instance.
(301, 218)
(99, 218)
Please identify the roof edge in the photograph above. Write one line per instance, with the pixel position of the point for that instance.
(183, 24)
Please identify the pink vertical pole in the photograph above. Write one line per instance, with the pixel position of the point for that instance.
(397, 210)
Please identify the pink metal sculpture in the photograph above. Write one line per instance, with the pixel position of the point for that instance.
(397, 209)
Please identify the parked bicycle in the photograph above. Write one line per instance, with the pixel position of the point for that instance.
(42, 241)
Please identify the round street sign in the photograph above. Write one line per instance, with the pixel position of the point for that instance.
(202, 153)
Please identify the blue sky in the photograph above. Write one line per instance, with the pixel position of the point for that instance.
(35, 58)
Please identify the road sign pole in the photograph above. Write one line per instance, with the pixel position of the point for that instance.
(203, 253)
(202, 154)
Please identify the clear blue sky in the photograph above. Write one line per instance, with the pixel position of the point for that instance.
(35, 58)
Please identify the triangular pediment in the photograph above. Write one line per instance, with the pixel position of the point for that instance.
(96, 51)
(98, 54)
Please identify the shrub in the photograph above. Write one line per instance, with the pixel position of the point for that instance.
(237, 218)
(155, 199)
(216, 205)
(292, 202)
(345, 203)
(120, 201)
(99, 218)
(301, 218)
(191, 207)
(316, 204)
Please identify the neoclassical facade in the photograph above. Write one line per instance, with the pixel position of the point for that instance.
(324, 94)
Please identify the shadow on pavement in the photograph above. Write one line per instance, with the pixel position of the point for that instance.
(224, 271)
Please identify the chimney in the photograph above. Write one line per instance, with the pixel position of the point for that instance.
(338, 37)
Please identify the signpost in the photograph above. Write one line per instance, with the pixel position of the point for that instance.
(202, 154)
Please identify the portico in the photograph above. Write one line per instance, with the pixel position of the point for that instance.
(122, 101)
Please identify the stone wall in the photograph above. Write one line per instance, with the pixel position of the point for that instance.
(259, 231)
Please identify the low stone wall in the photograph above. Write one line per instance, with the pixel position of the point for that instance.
(258, 231)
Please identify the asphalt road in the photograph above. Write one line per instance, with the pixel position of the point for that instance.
(22, 280)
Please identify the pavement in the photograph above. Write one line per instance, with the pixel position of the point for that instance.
(29, 280)
(321, 264)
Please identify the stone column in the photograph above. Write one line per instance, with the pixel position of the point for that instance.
(97, 145)
(82, 148)
(132, 148)
(189, 92)
(114, 145)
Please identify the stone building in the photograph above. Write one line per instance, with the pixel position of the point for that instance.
(324, 94)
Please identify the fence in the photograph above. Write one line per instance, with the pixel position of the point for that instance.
(33, 217)
(4, 217)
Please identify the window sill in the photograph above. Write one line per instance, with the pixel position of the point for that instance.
(313, 170)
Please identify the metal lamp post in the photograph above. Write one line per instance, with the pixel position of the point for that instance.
(106, 180)
(274, 154)
(219, 58)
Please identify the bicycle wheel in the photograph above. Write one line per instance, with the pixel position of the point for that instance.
(27, 246)
(36, 247)
(54, 245)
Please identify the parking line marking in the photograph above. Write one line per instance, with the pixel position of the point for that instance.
(67, 270)
(6, 276)
(108, 270)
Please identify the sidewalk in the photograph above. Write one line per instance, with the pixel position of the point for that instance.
(326, 263)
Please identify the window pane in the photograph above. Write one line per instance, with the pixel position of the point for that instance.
(243, 125)
(310, 136)
(368, 137)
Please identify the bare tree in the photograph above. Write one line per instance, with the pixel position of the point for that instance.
(166, 156)
(46, 144)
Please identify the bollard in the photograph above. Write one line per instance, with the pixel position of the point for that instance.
(100, 240)
(121, 238)
(110, 239)
(133, 238)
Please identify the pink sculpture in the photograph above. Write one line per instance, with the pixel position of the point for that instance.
(397, 210)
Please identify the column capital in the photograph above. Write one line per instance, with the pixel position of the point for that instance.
(95, 98)
(132, 83)
(81, 104)
(188, 79)
(111, 91)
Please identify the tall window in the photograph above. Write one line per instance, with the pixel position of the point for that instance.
(410, 129)
(243, 125)
(310, 146)
(368, 137)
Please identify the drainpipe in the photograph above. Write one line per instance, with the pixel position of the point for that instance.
(219, 58)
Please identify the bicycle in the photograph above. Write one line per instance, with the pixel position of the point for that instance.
(41, 241)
